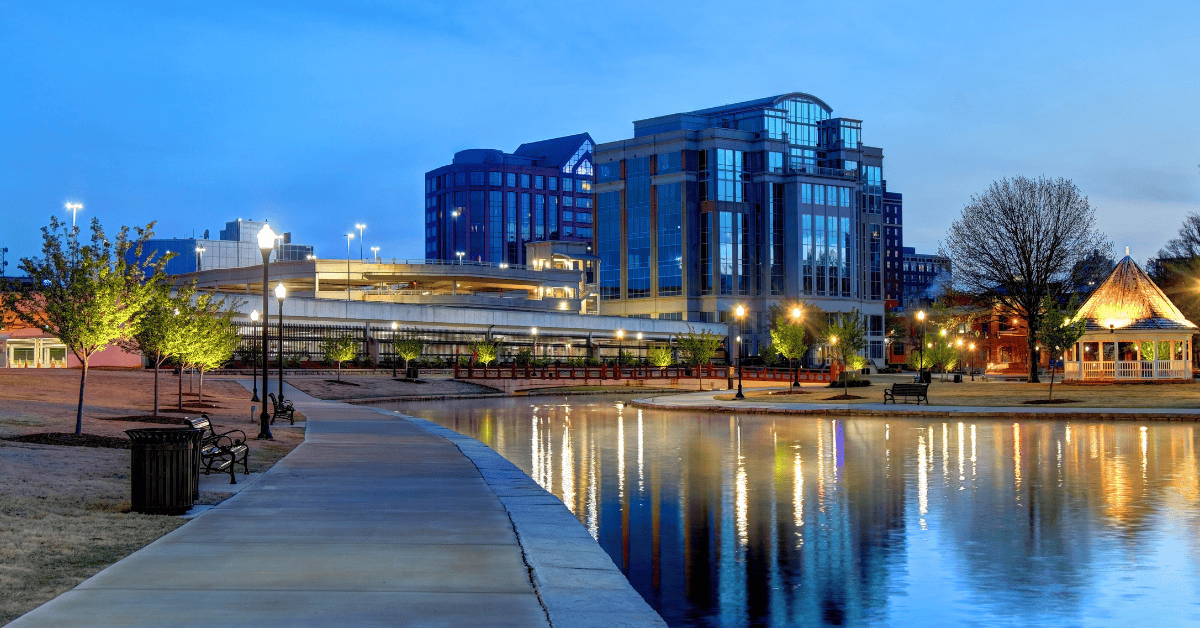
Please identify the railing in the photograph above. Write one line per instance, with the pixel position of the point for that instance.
(606, 371)
(1135, 369)
(465, 262)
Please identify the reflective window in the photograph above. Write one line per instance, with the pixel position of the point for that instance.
(551, 183)
(610, 171)
(608, 243)
(510, 228)
(775, 161)
(637, 227)
(670, 239)
(526, 216)
(730, 170)
(670, 162)
(539, 182)
(524, 180)
(583, 201)
(539, 217)
(568, 184)
(568, 201)
(460, 179)
(511, 179)
(495, 225)
(552, 218)
(477, 178)
(495, 178)
(584, 149)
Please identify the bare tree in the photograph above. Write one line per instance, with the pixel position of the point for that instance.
(1020, 242)
(1187, 243)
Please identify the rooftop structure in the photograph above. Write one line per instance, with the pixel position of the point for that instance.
(236, 248)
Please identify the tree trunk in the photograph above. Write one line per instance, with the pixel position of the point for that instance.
(79, 409)
(700, 375)
(1052, 381)
(200, 389)
(156, 365)
(845, 381)
(1033, 362)
(339, 370)
(181, 386)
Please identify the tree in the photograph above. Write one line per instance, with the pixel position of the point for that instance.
(942, 355)
(90, 295)
(339, 349)
(847, 336)
(486, 351)
(660, 356)
(210, 337)
(410, 347)
(1187, 243)
(1058, 331)
(787, 338)
(1019, 242)
(163, 333)
(698, 349)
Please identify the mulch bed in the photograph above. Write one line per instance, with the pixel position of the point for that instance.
(72, 440)
(842, 397)
(334, 381)
(1043, 402)
(166, 420)
(201, 404)
(790, 392)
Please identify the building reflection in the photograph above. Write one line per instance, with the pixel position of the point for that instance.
(757, 520)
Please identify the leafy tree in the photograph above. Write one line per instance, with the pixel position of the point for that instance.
(163, 334)
(90, 295)
(626, 358)
(1018, 243)
(770, 356)
(523, 357)
(486, 351)
(410, 347)
(787, 338)
(943, 355)
(1058, 331)
(210, 337)
(660, 355)
(340, 349)
(847, 337)
(698, 349)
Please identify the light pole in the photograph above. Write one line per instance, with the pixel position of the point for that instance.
(360, 240)
(454, 233)
(971, 362)
(349, 237)
(266, 241)
(620, 345)
(460, 256)
(740, 313)
(639, 337)
(254, 327)
(796, 314)
(533, 331)
(280, 294)
(74, 209)
(199, 258)
(375, 250)
(394, 326)
(924, 332)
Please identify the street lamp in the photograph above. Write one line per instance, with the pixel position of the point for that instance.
(971, 362)
(280, 294)
(460, 256)
(254, 320)
(199, 258)
(639, 337)
(796, 314)
(74, 209)
(924, 332)
(454, 232)
(740, 313)
(375, 250)
(360, 239)
(266, 241)
(620, 345)
(394, 326)
(349, 237)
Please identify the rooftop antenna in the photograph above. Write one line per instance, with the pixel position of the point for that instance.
(1126, 251)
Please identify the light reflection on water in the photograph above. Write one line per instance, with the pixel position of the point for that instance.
(760, 520)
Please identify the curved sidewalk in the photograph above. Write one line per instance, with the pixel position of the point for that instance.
(707, 402)
(375, 520)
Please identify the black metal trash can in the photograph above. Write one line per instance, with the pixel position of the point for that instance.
(164, 466)
(926, 377)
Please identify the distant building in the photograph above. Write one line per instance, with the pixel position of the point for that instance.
(893, 248)
(920, 274)
(237, 247)
(487, 204)
(758, 203)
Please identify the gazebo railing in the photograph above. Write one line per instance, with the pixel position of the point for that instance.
(1134, 369)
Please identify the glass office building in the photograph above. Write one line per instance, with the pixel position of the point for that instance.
(487, 204)
(766, 202)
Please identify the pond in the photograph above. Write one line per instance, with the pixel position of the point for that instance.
(762, 520)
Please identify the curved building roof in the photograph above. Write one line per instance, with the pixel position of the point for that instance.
(1129, 299)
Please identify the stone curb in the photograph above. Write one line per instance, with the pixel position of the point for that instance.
(578, 584)
(1102, 414)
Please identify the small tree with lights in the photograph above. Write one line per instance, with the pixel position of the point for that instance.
(698, 350)
(340, 349)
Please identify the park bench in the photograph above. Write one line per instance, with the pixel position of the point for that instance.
(282, 408)
(220, 451)
(920, 391)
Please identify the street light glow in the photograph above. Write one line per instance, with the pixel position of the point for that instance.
(280, 291)
(921, 315)
(740, 312)
(796, 312)
(266, 238)
(254, 315)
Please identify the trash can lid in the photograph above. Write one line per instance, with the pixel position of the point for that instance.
(149, 435)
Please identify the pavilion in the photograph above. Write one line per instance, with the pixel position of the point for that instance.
(1134, 332)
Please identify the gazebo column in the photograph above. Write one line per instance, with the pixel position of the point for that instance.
(1155, 363)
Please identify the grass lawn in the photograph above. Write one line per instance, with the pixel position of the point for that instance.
(1002, 394)
(64, 511)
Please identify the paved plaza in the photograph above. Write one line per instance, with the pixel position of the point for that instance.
(375, 520)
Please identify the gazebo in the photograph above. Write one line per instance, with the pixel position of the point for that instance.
(1134, 332)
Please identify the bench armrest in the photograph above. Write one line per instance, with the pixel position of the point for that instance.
(228, 435)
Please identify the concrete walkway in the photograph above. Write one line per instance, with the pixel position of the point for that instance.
(707, 402)
(375, 520)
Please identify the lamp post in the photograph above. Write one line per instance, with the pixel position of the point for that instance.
(796, 314)
(460, 256)
(266, 241)
(74, 209)
(199, 258)
(454, 232)
(254, 320)
(620, 345)
(533, 332)
(924, 332)
(394, 326)
(280, 294)
(971, 362)
(375, 250)
(639, 337)
(360, 240)
(349, 237)
(740, 313)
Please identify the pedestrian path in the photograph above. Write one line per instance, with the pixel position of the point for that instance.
(707, 402)
(373, 521)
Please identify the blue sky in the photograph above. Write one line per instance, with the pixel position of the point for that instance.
(317, 115)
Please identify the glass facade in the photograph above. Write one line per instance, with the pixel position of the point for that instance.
(608, 243)
(670, 239)
(637, 227)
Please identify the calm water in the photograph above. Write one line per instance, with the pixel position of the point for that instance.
(723, 520)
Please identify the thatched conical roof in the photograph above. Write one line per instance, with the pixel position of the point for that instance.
(1129, 299)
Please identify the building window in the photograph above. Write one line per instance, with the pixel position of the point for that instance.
(524, 180)
(511, 179)
(526, 216)
(568, 184)
(608, 172)
(608, 243)
(670, 162)
(637, 227)
(551, 183)
(476, 178)
(730, 171)
(539, 182)
(495, 178)
(539, 217)
(670, 239)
